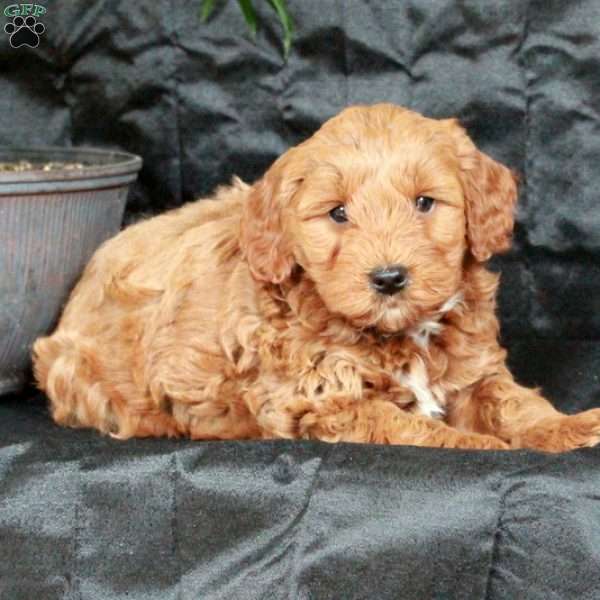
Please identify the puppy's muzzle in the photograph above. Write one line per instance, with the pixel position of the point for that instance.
(389, 280)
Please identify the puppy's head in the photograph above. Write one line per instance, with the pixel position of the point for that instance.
(379, 208)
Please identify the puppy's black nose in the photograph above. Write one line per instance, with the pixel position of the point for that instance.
(389, 280)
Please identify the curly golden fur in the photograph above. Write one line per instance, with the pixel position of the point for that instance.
(251, 315)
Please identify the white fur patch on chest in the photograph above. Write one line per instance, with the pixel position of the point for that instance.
(432, 326)
(429, 399)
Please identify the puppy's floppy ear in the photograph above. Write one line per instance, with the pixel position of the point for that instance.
(264, 240)
(490, 191)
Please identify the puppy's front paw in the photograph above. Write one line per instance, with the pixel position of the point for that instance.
(476, 442)
(562, 433)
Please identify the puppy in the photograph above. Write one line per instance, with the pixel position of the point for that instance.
(343, 297)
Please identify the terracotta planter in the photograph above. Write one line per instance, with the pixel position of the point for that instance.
(50, 224)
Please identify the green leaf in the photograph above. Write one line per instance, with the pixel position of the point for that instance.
(249, 15)
(206, 9)
(280, 7)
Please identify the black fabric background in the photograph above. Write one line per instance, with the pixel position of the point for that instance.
(85, 517)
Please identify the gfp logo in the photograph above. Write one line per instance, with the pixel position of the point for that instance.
(24, 29)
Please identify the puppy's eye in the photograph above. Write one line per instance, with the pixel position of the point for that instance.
(338, 214)
(424, 204)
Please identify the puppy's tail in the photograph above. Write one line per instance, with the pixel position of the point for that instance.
(66, 368)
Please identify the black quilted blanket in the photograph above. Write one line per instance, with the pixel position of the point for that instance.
(86, 517)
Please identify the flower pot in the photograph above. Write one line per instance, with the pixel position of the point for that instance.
(50, 224)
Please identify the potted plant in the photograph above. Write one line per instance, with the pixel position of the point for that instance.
(57, 205)
(249, 12)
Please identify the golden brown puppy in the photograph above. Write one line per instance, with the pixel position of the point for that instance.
(343, 297)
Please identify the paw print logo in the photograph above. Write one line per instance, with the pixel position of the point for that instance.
(24, 32)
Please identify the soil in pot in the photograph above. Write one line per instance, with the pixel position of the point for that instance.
(25, 165)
